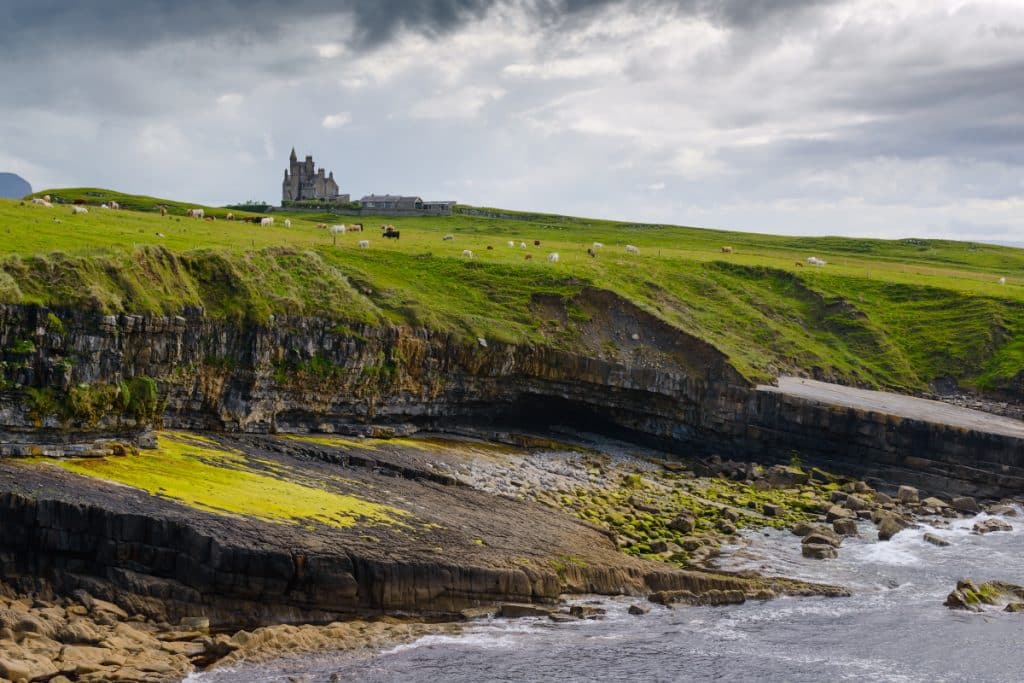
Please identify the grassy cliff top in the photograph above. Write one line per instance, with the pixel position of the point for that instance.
(895, 314)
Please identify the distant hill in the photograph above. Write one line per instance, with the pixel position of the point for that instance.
(13, 186)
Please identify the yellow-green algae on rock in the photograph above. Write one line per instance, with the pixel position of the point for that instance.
(197, 472)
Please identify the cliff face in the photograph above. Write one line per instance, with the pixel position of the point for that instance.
(631, 370)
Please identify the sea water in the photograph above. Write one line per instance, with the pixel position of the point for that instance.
(893, 628)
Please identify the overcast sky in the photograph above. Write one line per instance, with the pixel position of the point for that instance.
(859, 117)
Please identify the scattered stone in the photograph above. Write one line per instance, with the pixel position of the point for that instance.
(936, 540)
(726, 528)
(883, 498)
(586, 611)
(933, 502)
(1014, 607)
(515, 610)
(772, 510)
(824, 535)
(562, 617)
(819, 551)
(802, 528)
(845, 527)
(684, 523)
(835, 512)
(889, 525)
(965, 504)
(639, 610)
(988, 526)
(855, 502)
(907, 495)
(1002, 510)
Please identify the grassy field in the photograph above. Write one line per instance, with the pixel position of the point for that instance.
(895, 314)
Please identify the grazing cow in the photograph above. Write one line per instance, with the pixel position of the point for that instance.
(591, 253)
(79, 209)
(448, 238)
(630, 249)
(536, 243)
(512, 244)
(553, 257)
(815, 261)
(363, 244)
(230, 216)
(467, 253)
(522, 245)
(598, 245)
(159, 234)
(321, 226)
(726, 250)
(528, 257)
(355, 227)
(490, 248)
(392, 234)
(41, 202)
(338, 228)
(1002, 280)
(104, 206)
(46, 198)
(287, 223)
(269, 220)
(163, 210)
(798, 264)
(195, 213)
(115, 206)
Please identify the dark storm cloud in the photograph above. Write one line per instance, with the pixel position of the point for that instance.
(50, 25)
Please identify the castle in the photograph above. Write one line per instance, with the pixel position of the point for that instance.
(302, 181)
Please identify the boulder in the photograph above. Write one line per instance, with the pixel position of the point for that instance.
(639, 610)
(933, 502)
(1014, 607)
(1003, 510)
(965, 504)
(586, 611)
(819, 551)
(726, 528)
(802, 528)
(835, 512)
(845, 527)
(883, 498)
(988, 526)
(785, 477)
(684, 523)
(856, 502)
(889, 525)
(772, 510)
(935, 540)
(515, 610)
(823, 534)
(907, 495)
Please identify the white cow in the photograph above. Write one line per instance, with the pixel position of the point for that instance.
(287, 223)
(815, 261)
(512, 244)
(598, 245)
(266, 222)
(104, 206)
(338, 229)
(364, 244)
(114, 205)
(42, 202)
(467, 253)
(553, 257)
(195, 213)
(630, 249)
(79, 209)
(1002, 280)
(522, 245)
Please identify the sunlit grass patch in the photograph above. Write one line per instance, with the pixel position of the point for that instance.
(208, 477)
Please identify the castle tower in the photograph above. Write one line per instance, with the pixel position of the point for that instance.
(303, 180)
